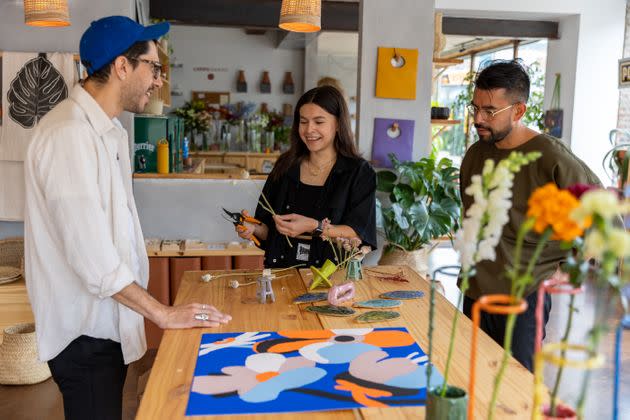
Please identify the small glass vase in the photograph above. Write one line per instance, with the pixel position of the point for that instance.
(452, 406)
(204, 141)
(353, 271)
(269, 141)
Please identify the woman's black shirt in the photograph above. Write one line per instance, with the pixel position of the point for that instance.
(346, 198)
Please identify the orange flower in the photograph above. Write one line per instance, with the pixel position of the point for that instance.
(551, 207)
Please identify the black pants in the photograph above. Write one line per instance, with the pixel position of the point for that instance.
(90, 373)
(524, 328)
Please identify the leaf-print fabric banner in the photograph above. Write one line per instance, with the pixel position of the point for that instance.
(297, 371)
(32, 85)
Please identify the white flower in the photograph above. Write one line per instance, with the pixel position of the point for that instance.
(601, 202)
(492, 193)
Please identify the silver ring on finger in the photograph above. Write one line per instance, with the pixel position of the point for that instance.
(201, 317)
(203, 307)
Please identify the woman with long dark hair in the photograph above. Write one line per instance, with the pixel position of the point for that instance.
(320, 187)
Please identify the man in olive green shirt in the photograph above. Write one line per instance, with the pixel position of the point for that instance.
(498, 106)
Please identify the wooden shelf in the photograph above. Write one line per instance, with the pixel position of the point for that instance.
(445, 62)
(219, 176)
(445, 122)
(209, 253)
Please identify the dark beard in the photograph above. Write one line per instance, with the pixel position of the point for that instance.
(494, 136)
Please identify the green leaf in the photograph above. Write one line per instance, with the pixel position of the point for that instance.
(419, 217)
(399, 215)
(404, 195)
(450, 207)
(385, 181)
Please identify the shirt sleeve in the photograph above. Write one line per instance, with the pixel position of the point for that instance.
(68, 169)
(570, 170)
(360, 213)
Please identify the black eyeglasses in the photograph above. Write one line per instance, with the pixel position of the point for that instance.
(157, 66)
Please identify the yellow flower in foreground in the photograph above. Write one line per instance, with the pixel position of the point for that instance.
(551, 207)
(604, 203)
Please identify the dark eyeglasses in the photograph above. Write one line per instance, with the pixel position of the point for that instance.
(157, 66)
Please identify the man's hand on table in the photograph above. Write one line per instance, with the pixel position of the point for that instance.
(192, 315)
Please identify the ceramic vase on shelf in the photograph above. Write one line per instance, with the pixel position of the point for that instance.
(241, 83)
(417, 259)
(452, 406)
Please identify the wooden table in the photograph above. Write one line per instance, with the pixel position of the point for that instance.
(166, 394)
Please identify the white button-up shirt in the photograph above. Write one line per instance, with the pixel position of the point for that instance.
(83, 241)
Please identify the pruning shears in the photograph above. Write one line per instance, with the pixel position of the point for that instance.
(240, 218)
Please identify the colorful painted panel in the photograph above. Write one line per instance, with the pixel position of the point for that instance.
(297, 371)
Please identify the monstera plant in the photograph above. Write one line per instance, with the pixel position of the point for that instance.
(424, 202)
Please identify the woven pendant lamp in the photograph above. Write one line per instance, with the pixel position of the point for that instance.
(301, 15)
(46, 13)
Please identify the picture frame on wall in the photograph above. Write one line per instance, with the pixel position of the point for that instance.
(624, 73)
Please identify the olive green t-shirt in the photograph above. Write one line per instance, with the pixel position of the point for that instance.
(558, 165)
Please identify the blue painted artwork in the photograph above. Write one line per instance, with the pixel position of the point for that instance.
(298, 371)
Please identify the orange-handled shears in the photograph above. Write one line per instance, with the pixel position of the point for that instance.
(240, 218)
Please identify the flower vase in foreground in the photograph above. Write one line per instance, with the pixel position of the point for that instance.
(451, 406)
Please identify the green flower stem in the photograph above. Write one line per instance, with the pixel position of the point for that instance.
(270, 210)
(431, 316)
(520, 236)
(565, 338)
(518, 288)
(451, 345)
(334, 249)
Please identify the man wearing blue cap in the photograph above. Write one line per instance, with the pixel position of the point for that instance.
(85, 259)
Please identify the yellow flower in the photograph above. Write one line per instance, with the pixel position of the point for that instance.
(601, 202)
(552, 208)
(619, 243)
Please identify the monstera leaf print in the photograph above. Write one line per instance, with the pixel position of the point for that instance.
(36, 89)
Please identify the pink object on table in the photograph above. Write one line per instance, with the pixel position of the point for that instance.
(341, 293)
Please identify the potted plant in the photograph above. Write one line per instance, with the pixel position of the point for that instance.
(423, 205)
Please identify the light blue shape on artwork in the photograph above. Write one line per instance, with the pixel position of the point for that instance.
(295, 378)
(345, 353)
(416, 379)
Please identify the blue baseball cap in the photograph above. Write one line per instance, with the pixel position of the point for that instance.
(109, 37)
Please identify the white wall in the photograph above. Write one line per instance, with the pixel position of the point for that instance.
(16, 36)
(586, 56)
(191, 208)
(402, 24)
(231, 49)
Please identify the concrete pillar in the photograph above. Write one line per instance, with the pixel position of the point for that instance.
(402, 24)
(311, 73)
